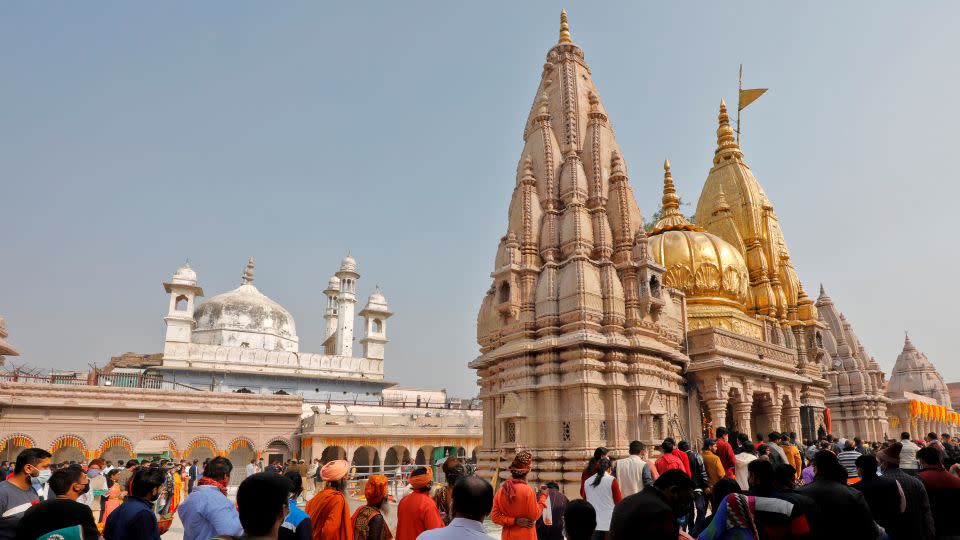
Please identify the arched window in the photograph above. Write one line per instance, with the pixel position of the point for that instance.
(654, 286)
(182, 303)
(510, 431)
(377, 326)
(504, 292)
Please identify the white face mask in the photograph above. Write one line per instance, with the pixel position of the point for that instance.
(41, 477)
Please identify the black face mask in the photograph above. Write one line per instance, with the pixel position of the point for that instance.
(86, 488)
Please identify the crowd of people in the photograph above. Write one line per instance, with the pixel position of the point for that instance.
(732, 487)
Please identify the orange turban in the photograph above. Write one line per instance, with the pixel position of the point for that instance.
(376, 489)
(422, 480)
(334, 470)
(522, 462)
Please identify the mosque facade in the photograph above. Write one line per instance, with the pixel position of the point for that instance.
(597, 330)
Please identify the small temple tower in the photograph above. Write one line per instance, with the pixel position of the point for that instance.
(375, 315)
(183, 289)
(346, 306)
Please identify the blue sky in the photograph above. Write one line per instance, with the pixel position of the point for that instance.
(135, 135)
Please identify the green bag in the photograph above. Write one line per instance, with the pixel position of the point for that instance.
(67, 533)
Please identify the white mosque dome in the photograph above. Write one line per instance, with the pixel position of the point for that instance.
(184, 275)
(333, 284)
(245, 317)
(348, 264)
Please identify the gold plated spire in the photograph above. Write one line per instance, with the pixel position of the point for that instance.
(727, 146)
(564, 28)
(671, 218)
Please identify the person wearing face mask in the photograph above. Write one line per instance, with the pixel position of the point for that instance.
(17, 493)
(134, 519)
(62, 512)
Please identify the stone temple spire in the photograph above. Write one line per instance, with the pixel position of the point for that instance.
(248, 273)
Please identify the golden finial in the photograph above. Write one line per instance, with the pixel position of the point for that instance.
(671, 218)
(564, 28)
(726, 142)
(721, 204)
(670, 199)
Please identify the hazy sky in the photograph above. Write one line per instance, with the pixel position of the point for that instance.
(134, 135)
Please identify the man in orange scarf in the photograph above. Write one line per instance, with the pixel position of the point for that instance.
(417, 512)
(516, 506)
(368, 521)
(328, 510)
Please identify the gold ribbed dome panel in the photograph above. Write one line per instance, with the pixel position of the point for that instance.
(702, 265)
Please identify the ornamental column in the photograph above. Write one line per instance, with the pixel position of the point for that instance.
(741, 416)
(718, 412)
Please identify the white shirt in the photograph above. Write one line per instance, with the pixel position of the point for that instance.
(251, 469)
(740, 469)
(908, 455)
(601, 497)
(630, 475)
(457, 529)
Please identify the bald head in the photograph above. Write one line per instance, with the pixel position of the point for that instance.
(472, 498)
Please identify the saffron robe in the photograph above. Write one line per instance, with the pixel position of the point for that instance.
(330, 515)
(525, 504)
(416, 513)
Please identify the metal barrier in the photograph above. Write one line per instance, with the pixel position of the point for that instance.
(116, 380)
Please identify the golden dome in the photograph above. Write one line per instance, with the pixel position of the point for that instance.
(707, 268)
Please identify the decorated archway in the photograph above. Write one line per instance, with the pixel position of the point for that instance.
(240, 452)
(366, 460)
(278, 449)
(15, 443)
(115, 448)
(172, 444)
(396, 456)
(67, 448)
(201, 448)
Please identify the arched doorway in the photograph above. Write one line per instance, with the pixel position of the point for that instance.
(366, 461)
(240, 452)
(201, 449)
(68, 448)
(115, 448)
(424, 456)
(278, 450)
(331, 453)
(14, 444)
(396, 456)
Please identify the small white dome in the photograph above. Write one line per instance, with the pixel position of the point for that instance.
(348, 264)
(333, 284)
(185, 275)
(377, 302)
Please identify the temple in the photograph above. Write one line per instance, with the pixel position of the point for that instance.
(919, 398)
(580, 342)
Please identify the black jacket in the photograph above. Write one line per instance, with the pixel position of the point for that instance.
(843, 510)
(883, 497)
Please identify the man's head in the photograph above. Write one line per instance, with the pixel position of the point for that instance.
(335, 472)
(296, 483)
(33, 462)
(889, 457)
(683, 446)
(674, 486)
(928, 456)
(69, 483)
(945, 437)
(722, 433)
(146, 483)
(523, 462)
(262, 503)
(667, 446)
(849, 445)
(793, 435)
(132, 464)
(421, 479)
(931, 436)
(905, 436)
(579, 520)
(219, 469)
(375, 491)
(710, 444)
(760, 474)
(784, 476)
(774, 436)
(858, 441)
(760, 437)
(253, 461)
(866, 466)
(826, 466)
(453, 470)
(637, 448)
(472, 498)
(723, 487)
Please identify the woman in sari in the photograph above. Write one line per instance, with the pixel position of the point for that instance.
(114, 496)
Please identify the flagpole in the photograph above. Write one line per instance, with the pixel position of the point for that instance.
(739, 93)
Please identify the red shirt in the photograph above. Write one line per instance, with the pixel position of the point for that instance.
(686, 460)
(725, 453)
(668, 462)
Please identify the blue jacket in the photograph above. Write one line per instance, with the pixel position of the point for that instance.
(132, 520)
(207, 513)
(297, 526)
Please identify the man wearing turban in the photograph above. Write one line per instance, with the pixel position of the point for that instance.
(329, 511)
(516, 506)
(454, 470)
(417, 512)
(368, 521)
